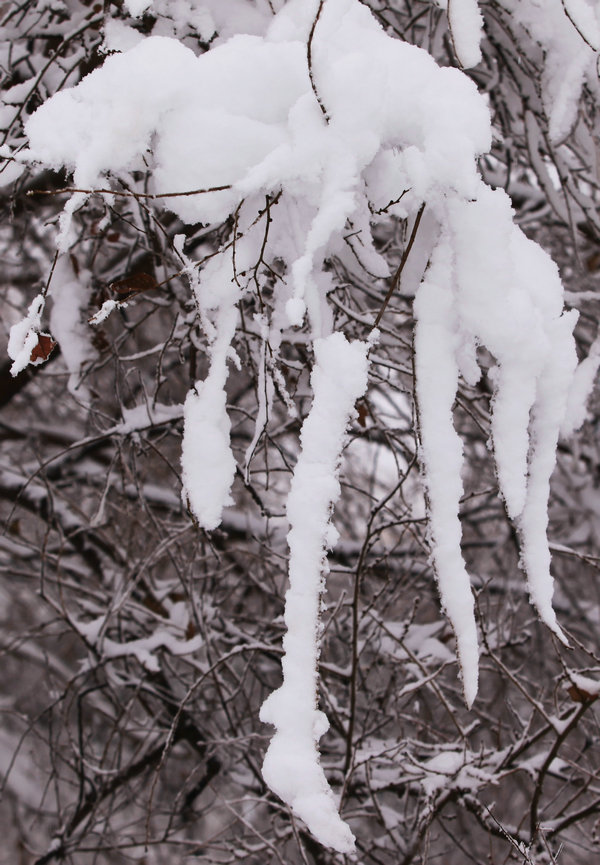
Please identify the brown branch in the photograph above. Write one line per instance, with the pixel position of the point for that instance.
(396, 280)
(151, 196)
(537, 793)
(309, 60)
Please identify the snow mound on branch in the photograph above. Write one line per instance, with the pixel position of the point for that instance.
(206, 122)
(209, 122)
(70, 296)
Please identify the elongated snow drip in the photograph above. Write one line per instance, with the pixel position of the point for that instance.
(291, 767)
(207, 463)
(489, 285)
(436, 343)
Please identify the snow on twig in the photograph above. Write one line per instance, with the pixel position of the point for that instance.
(466, 29)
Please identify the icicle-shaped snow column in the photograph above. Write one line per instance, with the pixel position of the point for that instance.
(437, 341)
(291, 767)
(489, 285)
(207, 463)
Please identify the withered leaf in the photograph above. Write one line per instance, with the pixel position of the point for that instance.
(99, 340)
(134, 283)
(43, 349)
(362, 412)
(580, 695)
(592, 262)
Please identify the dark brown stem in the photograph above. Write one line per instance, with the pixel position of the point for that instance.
(122, 193)
(396, 280)
(309, 60)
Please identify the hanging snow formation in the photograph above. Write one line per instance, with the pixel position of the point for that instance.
(242, 126)
(291, 766)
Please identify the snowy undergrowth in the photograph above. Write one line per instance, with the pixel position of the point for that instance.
(246, 132)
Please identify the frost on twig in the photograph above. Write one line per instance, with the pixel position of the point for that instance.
(291, 767)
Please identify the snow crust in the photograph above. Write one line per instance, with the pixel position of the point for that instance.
(291, 767)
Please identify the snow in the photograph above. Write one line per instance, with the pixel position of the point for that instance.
(505, 302)
(291, 767)
(421, 640)
(145, 415)
(208, 466)
(70, 298)
(105, 310)
(441, 454)
(24, 335)
(439, 769)
(207, 462)
(489, 285)
(137, 7)
(589, 687)
(581, 387)
(585, 19)
(548, 415)
(196, 110)
(466, 28)
(238, 133)
(118, 36)
(142, 649)
(569, 60)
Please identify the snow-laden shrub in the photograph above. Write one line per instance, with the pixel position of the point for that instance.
(323, 121)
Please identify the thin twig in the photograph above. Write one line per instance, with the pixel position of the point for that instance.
(126, 194)
(396, 280)
(309, 60)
